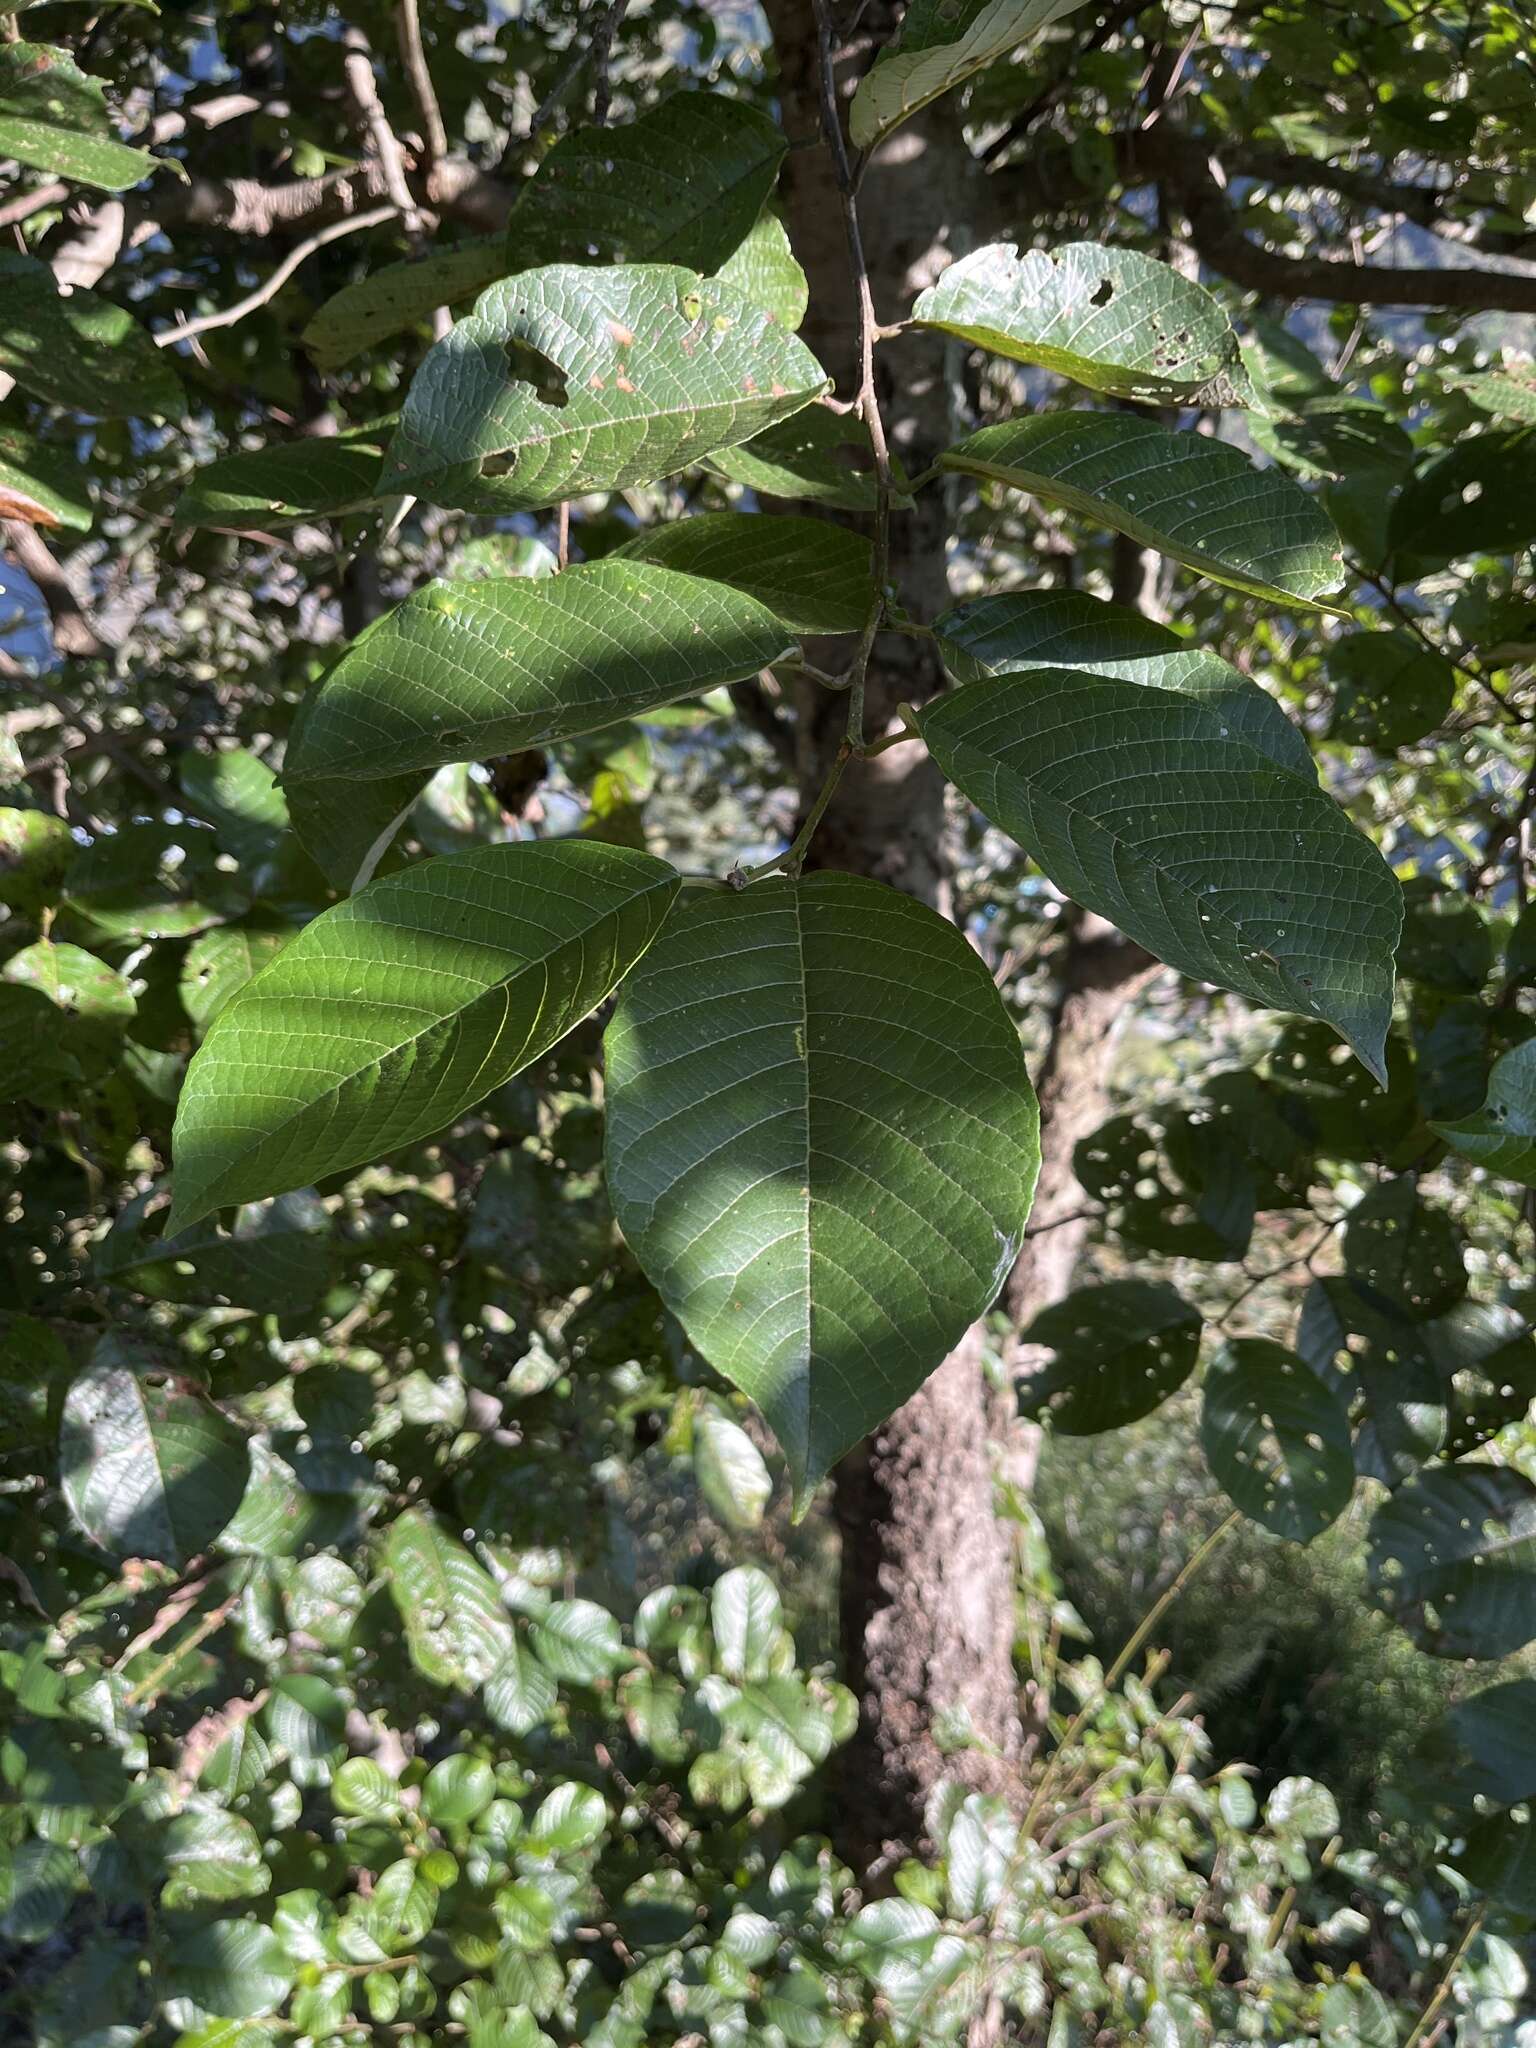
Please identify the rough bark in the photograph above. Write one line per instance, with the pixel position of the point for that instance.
(927, 1591)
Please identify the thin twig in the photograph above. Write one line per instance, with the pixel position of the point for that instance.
(271, 286)
(868, 402)
(602, 51)
(414, 57)
(383, 143)
(1443, 1989)
(563, 534)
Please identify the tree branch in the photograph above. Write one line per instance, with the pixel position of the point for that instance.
(73, 632)
(271, 286)
(414, 57)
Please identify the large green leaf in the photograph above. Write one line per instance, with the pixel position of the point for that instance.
(943, 43)
(456, 1627)
(1453, 1560)
(464, 670)
(315, 478)
(1473, 499)
(1501, 1136)
(1198, 500)
(41, 485)
(820, 456)
(1111, 319)
(763, 269)
(1119, 1351)
(683, 184)
(567, 380)
(1407, 1259)
(79, 351)
(1143, 805)
(54, 117)
(1025, 629)
(811, 574)
(822, 1144)
(399, 1008)
(1277, 1437)
(397, 296)
(232, 1969)
(149, 1470)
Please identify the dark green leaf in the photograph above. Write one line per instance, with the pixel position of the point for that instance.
(1277, 1438)
(1142, 805)
(39, 484)
(1474, 499)
(319, 477)
(53, 117)
(1501, 1136)
(1407, 1259)
(1120, 1351)
(79, 351)
(465, 670)
(149, 1470)
(811, 574)
(825, 1191)
(1392, 689)
(1453, 1560)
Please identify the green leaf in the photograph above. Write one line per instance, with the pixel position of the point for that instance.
(1277, 1438)
(1120, 1350)
(578, 1641)
(1347, 439)
(465, 670)
(222, 961)
(457, 1790)
(231, 1969)
(79, 351)
(53, 117)
(34, 1064)
(456, 1628)
(1301, 1806)
(362, 1786)
(1509, 393)
(825, 1189)
(152, 880)
(1501, 1136)
(1392, 689)
(149, 1470)
(39, 484)
(1198, 500)
(1406, 1259)
(746, 1618)
(1494, 1728)
(682, 184)
(819, 456)
(319, 477)
(1446, 941)
(276, 1260)
(398, 296)
(567, 380)
(943, 43)
(1026, 629)
(397, 1009)
(210, 1854)
(1111, 319)
(1144, 806)
(40, 1887)
(814, 576)
(1453, 1560)
(519, 1694)
(569, 1818)
(1394, 1363)
(729, 1468)
(763, 269)
(1473, 499)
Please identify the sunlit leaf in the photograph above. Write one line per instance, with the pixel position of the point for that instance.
(1501, 1136)
(825, 1189)
(1111, 319)
(942, 44)
(1198, 500)
(402, 1006)
(565, 380)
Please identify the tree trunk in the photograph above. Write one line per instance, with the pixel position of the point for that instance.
(927, 1587)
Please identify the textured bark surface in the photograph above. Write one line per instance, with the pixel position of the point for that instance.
(927, 1589)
